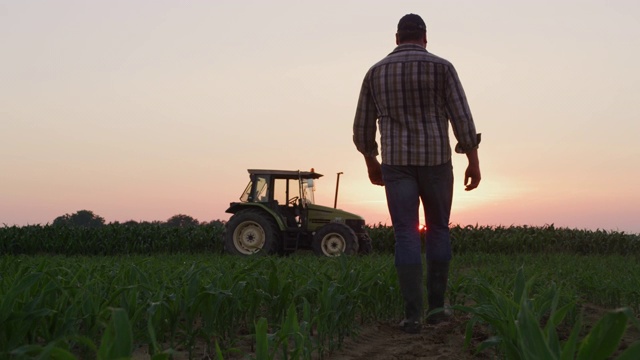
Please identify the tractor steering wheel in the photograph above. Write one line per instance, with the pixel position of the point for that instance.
(293, 200)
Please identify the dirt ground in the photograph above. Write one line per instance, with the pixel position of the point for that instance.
(382, 341)
(387, 342)
(445, 341)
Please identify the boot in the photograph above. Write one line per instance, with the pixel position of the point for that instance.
(410, 280)
(437, 278)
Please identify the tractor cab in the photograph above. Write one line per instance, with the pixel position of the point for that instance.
(281, 186)
(287, 193)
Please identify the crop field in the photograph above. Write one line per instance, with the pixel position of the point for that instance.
(152, 292)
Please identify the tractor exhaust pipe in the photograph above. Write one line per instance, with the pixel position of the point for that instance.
(335, 201)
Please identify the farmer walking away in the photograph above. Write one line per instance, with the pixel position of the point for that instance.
(413, 95)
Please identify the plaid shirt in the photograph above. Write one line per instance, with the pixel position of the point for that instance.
(414, 95)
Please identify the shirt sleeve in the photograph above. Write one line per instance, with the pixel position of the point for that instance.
(459, 114)
(364, 124)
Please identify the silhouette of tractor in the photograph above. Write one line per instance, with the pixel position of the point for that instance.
(276, 214)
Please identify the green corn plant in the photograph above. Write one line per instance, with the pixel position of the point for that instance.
(306, 329)
(219, 355)
(262, 340)
(174, 301)
(291, 341)
(458, 289)
(517, 322)
(604, 338)
(289, 334)
(117, 341)
(599, 344)
(19, 311)
(53, 350)
(498, 310)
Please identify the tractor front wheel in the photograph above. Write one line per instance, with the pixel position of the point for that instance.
(251, 232)
(335, 239)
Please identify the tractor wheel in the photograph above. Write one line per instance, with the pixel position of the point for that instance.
(335, 239)
(364, 245)
(251, 232)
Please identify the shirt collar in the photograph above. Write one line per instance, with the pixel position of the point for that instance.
(408, 47)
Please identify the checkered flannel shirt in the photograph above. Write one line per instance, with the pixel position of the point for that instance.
(413, 95)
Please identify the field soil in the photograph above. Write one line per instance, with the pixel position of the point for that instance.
(381, 341)
(385, 341)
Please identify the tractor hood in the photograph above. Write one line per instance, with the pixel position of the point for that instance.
(331, 214)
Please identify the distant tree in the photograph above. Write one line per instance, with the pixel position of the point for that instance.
(152, 223)
(182, 220)
(82, 218)
(219, 223)
(62, 220)
(130, 223)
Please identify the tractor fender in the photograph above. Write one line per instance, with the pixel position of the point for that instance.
(236, 207)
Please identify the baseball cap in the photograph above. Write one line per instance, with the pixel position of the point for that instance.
(411, 22)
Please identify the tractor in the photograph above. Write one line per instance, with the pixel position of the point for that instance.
(276, 214)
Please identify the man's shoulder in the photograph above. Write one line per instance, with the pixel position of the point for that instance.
(403, 53)
(437, 59)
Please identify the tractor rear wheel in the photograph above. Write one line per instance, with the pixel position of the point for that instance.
(251, 232)
(335, 239)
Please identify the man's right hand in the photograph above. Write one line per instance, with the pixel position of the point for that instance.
(471, 177)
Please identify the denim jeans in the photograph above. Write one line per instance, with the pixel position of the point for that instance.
(405, 187)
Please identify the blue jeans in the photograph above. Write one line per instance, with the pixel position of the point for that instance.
(405, 187)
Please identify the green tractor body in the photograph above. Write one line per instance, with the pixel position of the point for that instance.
(277, 214)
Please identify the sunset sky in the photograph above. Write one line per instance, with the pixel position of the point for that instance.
(144, 109)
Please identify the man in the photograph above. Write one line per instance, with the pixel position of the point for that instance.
(414, 95)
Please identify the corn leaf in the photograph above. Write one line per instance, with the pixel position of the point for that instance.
(117, 341)
(605, 336)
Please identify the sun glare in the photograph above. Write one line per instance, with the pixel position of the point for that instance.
(489, 192)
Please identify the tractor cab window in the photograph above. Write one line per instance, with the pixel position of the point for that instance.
(286, 191)
(261, 192)
(246, 195)
(308, 188)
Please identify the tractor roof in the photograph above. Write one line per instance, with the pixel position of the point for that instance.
(286, 174)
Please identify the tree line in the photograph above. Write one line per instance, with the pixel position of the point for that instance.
(88, 219)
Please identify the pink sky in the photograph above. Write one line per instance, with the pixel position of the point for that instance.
(143, 110)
